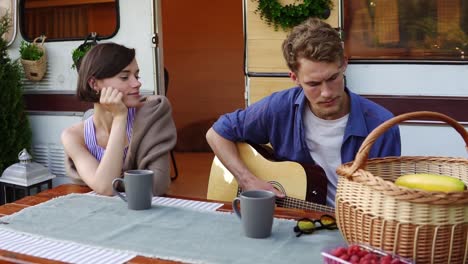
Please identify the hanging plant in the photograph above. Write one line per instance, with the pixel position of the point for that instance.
(79, 53)
(288, 16)
(34, 58)
(81, 50)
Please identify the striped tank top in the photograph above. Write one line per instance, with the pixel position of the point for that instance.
(91, 140)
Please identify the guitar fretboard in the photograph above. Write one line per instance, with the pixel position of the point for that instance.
(290, 202)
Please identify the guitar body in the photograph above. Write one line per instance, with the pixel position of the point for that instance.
(291, 176)
(304, 185)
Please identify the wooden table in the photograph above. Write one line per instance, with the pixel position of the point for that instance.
(10, 208)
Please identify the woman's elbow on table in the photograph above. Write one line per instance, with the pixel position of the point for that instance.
(104, 190)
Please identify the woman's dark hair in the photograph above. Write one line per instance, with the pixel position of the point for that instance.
(104, 60)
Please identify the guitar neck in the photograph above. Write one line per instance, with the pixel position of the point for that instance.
(301, 204)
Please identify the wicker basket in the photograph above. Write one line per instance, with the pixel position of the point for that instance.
(35, 70)
(428, 227)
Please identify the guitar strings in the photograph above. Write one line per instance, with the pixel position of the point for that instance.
(291, 202)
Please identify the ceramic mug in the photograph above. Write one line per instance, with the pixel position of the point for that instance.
(257, 208)
(138, 186)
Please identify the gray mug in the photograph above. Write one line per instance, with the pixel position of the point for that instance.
(138, 188)
(257, 208)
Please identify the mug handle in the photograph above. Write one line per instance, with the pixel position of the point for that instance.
(235, 206)
(115, 190)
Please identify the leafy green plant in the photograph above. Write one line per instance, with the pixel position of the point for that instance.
(288, 16)
(79, 53)
(14, 123)
(30, 51)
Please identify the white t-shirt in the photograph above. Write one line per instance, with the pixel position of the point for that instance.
(324, 139)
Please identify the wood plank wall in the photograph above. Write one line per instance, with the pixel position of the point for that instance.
(264, 42)
(263, 51)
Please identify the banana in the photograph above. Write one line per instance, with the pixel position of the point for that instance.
(431, 182)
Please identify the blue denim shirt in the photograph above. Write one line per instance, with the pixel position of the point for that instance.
(278, 120)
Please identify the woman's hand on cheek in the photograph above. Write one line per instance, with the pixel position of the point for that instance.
(111, 100)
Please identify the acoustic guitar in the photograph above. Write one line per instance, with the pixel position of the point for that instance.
(288, 177)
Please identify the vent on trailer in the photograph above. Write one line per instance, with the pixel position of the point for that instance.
(50, 155)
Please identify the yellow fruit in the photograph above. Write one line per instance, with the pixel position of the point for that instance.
(306, 225)
(431, 182)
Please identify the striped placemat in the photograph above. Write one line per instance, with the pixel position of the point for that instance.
(192, 204)
(197, 205)
(59, 250)
(72, 252)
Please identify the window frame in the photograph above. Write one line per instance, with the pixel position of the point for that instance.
(21, 8)
(344, 28)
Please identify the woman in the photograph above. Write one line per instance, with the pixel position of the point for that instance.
(126, 131)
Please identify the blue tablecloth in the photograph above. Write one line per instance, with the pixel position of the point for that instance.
(167, 232)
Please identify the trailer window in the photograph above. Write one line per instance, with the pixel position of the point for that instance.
(68, 19)
(406, 29)
(9, 8)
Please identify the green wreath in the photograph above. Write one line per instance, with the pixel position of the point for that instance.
(288, 16)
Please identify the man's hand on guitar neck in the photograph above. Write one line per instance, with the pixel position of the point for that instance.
(253, 183)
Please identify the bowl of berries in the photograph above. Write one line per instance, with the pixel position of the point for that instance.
(360, 254)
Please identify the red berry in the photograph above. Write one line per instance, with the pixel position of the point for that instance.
(353, 249)
(354, 258)
(344, 257)
(386, 260)
(338, 251)
(334, 252)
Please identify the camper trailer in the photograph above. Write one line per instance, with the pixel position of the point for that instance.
(406, 55)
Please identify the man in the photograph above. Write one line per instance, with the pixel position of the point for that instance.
(318, 122)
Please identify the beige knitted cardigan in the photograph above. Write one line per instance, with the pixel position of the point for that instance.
(153, 136)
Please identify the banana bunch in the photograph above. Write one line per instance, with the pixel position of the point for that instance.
(431, 182)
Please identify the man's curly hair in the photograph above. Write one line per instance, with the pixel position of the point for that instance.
(314, 40)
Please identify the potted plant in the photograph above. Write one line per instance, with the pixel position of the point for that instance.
(29, 51)
(14, 123)
(80, 51)
(33, 58)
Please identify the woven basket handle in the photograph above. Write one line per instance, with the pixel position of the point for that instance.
(42, 37)
(363, 153)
